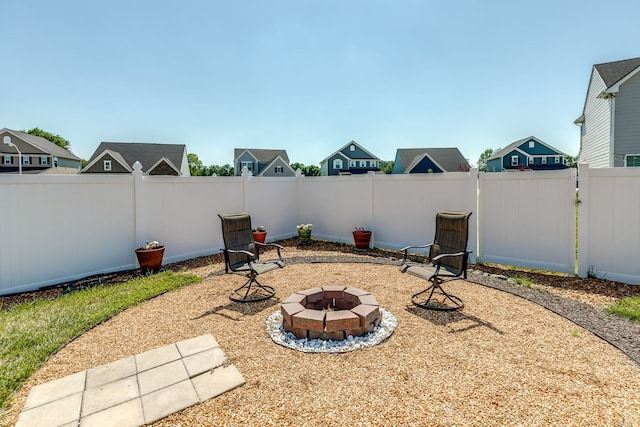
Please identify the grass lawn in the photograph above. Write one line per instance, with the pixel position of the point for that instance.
(32, 331)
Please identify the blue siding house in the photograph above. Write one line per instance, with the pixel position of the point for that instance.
(526, 154)
(350, 159)
(429, 160)
(262, 162)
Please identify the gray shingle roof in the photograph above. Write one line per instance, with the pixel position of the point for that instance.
(449, 158)
(146, 153)
(263, 155)
(612, 72)
(46, 145)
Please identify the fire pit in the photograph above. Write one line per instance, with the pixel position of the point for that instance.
(330, 313)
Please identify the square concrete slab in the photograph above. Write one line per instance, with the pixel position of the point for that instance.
(220, 380)
(204, 361)
(163, 402)
(108, 395)
(110, 372)
(159, 356)
(196, 345)
(56, 389)
(161, 376)
(54, 413)
(127, 414)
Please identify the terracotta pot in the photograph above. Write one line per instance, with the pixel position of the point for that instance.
(259, 236)
(362, 239)
(150, 260)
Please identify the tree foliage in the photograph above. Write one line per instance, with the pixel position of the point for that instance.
(482, 160)
(571, 161)
(195, 164)
(311, 170)
(225, 170)
(56, 139)
(387, 166)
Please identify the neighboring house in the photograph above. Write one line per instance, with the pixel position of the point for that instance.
(38, 155)
(262, 162)
(609, 124)
(526, 154)
(350, 159)
(429, 160)
(156, 159)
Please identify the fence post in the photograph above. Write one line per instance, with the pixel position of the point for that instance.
(138, 205)
(583, 220)
(246, 176)
(370, 175)
(473, 190)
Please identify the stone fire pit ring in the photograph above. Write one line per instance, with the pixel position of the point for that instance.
(330, 319)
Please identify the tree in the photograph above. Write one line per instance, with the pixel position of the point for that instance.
(195, 164)
(482, 160)
(56, 139)
(311, 170)
(387, 166)
(226, 170)
(571, 161)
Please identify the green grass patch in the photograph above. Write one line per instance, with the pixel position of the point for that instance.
(32, 331)
(522, 281)
(627, 307)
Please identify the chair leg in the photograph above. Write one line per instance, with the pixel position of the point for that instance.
(252, 291)
(437, 305)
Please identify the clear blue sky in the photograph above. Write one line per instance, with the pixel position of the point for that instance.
(307, 76)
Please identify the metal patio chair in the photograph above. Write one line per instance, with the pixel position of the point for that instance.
(448, 256)
(241, 256)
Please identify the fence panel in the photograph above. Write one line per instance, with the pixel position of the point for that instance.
(59, 228)
(528, 219)
(609, 230)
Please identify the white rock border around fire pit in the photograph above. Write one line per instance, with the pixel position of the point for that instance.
(274, 329)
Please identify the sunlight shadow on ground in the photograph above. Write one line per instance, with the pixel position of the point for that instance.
(456, 321)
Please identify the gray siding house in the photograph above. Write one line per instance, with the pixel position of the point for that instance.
(156, 159)
(528, 153)
(429, 160)
(37, 155)
(610, 120)
(262, 162)
(350, 159)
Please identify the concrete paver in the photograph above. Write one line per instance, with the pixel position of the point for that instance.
(136, 390)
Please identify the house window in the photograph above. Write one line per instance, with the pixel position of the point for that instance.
(279, 169)
(352, 148)
(556, 159)
(583, 129)
(532, 144)
(337, 163)
(107, 165)
(632, 160)
(544, 160)
(248, 165)
(530, 160)
(352, 163)
(363, 163)
(44, 160)
(373, 163)
(7, 160)
(514, 160)
(26, 160)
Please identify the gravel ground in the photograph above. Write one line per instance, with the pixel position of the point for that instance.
(502, 360)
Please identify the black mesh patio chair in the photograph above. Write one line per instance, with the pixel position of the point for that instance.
(241, 256)
(448, 256)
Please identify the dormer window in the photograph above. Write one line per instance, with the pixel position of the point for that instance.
(352, 147)
(107, 165)
(532, 143)
(279, 169)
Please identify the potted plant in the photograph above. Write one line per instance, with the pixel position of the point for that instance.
(362, 238)
(259, 234)
(304, 234)
(150, 257)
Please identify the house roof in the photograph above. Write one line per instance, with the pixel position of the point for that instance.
(148, 154)
(371, 156)
(506, 150)
(43, 144)
(448, 159)
(613, 72)
(262, 155)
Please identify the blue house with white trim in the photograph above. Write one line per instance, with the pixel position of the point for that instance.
(527, 154)
(429, 160)
(350, 159)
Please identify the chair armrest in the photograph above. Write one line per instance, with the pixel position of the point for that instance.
(275, 245)
(406, 251)
(438, 257)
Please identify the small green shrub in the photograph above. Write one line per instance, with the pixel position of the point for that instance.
(626, 307)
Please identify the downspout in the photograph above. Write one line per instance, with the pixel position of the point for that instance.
(612, 126)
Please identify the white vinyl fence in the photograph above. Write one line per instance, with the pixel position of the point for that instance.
(609, 230)
(55, 229)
